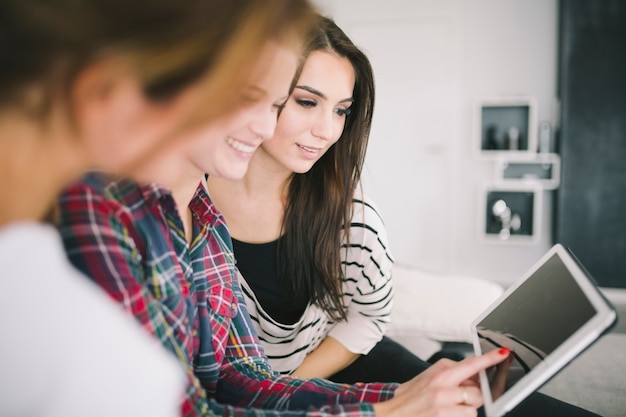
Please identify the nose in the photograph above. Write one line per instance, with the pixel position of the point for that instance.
(265, 124)
(324, 126)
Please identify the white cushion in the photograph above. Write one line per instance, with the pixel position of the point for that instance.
(437, 306)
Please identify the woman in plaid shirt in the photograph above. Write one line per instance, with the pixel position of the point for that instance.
(169, 262)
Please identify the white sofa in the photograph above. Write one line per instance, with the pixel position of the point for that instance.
(431, 308)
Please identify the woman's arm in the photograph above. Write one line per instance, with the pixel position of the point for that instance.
(447, 388)
(246, 379)
(368, 290)
(101, 241)
(329, 358)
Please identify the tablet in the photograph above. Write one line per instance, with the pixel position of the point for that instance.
(547, 318)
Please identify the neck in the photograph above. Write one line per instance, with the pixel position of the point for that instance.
(183, 188)
(254, 205)
(36, 163)
(266, 179)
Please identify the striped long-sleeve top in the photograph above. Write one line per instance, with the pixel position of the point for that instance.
(367, 292)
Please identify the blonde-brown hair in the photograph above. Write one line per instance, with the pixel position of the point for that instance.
(170, 43)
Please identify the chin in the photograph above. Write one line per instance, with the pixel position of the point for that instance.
(302, 169)
(232, 172)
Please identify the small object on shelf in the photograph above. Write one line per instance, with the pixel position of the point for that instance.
(545, 137)
(492, 137)
(509, 221)
(510, 213)
(513, 138)
(506, 125)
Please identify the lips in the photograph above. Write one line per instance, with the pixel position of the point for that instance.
(240, 146)
(309, 149)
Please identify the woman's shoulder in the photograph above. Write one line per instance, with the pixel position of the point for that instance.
(365, 212)
(87, 195)
(95, 198)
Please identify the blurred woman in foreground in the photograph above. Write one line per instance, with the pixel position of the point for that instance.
(106, 84)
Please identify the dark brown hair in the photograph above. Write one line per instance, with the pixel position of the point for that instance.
(170, 43)
(318, 210)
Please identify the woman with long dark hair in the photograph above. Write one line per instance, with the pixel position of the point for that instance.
(311, 248)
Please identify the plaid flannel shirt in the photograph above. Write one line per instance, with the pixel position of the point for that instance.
(130, 241)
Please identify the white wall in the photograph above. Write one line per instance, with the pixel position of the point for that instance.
(432, 61)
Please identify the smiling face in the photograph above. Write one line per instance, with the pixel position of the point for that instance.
(315, 114)
(225, 148)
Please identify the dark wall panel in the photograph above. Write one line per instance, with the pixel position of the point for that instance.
(591, 206)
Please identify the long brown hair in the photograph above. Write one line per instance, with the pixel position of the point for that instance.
(318, 210)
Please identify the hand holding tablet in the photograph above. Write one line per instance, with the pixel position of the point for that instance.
(446, 388)
(542, 322)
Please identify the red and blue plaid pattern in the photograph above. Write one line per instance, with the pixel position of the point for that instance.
(130, 241)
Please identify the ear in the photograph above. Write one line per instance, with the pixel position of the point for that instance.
(104, 97)
(92, 88)
(116, 122)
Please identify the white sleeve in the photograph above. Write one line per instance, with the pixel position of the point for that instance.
(67, 349)
(368, 289)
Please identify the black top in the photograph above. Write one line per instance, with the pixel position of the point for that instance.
(258, 263)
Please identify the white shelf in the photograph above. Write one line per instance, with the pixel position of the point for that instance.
(495, 120)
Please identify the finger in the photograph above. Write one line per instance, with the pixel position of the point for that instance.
(498, 385)
(472, 382)
(442, 364)
(471, 396)
(467, 396)
(469, 367)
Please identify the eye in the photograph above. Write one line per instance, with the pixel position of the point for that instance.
(251, 95)
(306, 103)
(278, 107)
(343, 112)
(248, 99)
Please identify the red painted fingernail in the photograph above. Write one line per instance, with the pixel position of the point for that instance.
(504, 351)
